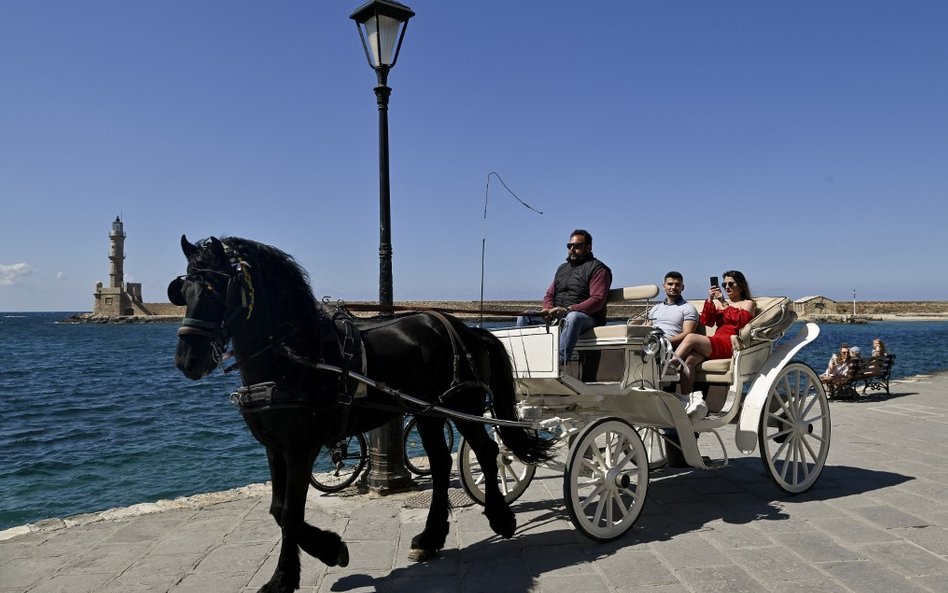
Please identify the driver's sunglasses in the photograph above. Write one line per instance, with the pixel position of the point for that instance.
(728, 284)
(575, 245)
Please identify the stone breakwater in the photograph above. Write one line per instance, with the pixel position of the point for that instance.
(502, 310)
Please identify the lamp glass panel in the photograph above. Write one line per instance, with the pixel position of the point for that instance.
(382, 39)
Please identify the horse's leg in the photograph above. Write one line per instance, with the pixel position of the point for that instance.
(498, 512)
(324, 545)
(277, 484)
(429, 542)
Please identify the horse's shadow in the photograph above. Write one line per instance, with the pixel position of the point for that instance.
(679, 502)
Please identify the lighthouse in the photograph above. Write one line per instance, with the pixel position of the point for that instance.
(119, 299)
(116, 254)
(116, 299)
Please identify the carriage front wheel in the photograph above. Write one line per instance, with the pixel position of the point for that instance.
(606, 479)
(794, 430)
(513, 475)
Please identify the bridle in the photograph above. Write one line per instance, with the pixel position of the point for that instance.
(238, 299)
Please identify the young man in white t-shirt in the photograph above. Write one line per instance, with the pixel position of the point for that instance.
(675, 316)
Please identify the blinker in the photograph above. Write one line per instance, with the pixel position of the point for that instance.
(174, 292)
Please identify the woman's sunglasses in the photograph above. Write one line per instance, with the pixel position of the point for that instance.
(728, 284)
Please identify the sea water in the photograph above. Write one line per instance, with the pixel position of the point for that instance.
(97, 416)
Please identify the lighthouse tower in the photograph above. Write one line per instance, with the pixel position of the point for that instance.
(116, 254)
(117, 299)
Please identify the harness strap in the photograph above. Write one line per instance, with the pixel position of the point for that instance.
(456, 342)
(270, 396)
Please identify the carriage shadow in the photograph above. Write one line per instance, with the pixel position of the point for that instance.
(739, 494)
(685, 500)
(679, 501)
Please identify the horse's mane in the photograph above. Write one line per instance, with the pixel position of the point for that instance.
(279, 274)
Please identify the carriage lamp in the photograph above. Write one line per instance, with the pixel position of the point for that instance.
(652, 344)
(382, 25)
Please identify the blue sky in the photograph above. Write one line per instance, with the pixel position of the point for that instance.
(804, 143)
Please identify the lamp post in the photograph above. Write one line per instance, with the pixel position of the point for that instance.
(382, 25)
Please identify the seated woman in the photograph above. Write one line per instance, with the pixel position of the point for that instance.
(878, 348)
(841, 371)
(836, 357)
(729, 316)
(838, 363)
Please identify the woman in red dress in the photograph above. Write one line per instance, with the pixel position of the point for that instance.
(729, 316)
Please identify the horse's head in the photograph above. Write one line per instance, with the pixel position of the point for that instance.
(217, 294)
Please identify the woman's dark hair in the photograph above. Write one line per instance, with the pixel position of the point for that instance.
(741, 283)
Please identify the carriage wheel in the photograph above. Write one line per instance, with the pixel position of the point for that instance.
(654, 446)
(513, 475)
(339, 465)
(415, 458)
(794, 431)
(606, 479)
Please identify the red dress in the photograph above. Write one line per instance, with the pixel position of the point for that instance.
(729, 321)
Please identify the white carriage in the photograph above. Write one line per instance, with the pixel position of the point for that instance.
(620, 393)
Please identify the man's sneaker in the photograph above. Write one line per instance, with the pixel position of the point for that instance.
(694, 405)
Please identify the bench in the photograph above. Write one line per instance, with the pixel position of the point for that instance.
(873, 373)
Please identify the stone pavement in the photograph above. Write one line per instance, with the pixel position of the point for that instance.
(876, 521)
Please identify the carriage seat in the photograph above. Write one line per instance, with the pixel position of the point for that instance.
(752, 345)
(611, 334)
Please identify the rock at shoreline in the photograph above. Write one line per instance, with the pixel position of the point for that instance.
(100, 319)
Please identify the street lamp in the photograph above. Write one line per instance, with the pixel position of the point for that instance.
(382, 25)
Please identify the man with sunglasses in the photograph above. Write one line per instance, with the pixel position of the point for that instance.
(577, 294)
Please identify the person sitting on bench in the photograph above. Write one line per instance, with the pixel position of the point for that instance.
(839, 365)
(729, 316)
(878, 348)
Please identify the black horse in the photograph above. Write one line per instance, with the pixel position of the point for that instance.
(259, 299)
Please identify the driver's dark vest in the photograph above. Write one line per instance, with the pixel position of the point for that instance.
(571, 284)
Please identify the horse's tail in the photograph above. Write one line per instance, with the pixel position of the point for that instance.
(526, 444)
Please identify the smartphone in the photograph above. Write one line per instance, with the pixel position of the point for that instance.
(714, 280)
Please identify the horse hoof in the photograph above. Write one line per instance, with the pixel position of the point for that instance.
(503, 524)
(421, 555)
(343, 558)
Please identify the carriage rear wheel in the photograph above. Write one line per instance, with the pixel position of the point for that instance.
(513, 475)
(338, 465)
(654, 446)
(415, 458)
(606, 479)
(794, 431)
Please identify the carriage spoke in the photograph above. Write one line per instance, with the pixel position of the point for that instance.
(502, 481)
(593, 496)
(805, 443)
(600, 506)
(804, 462)
(632, 495)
